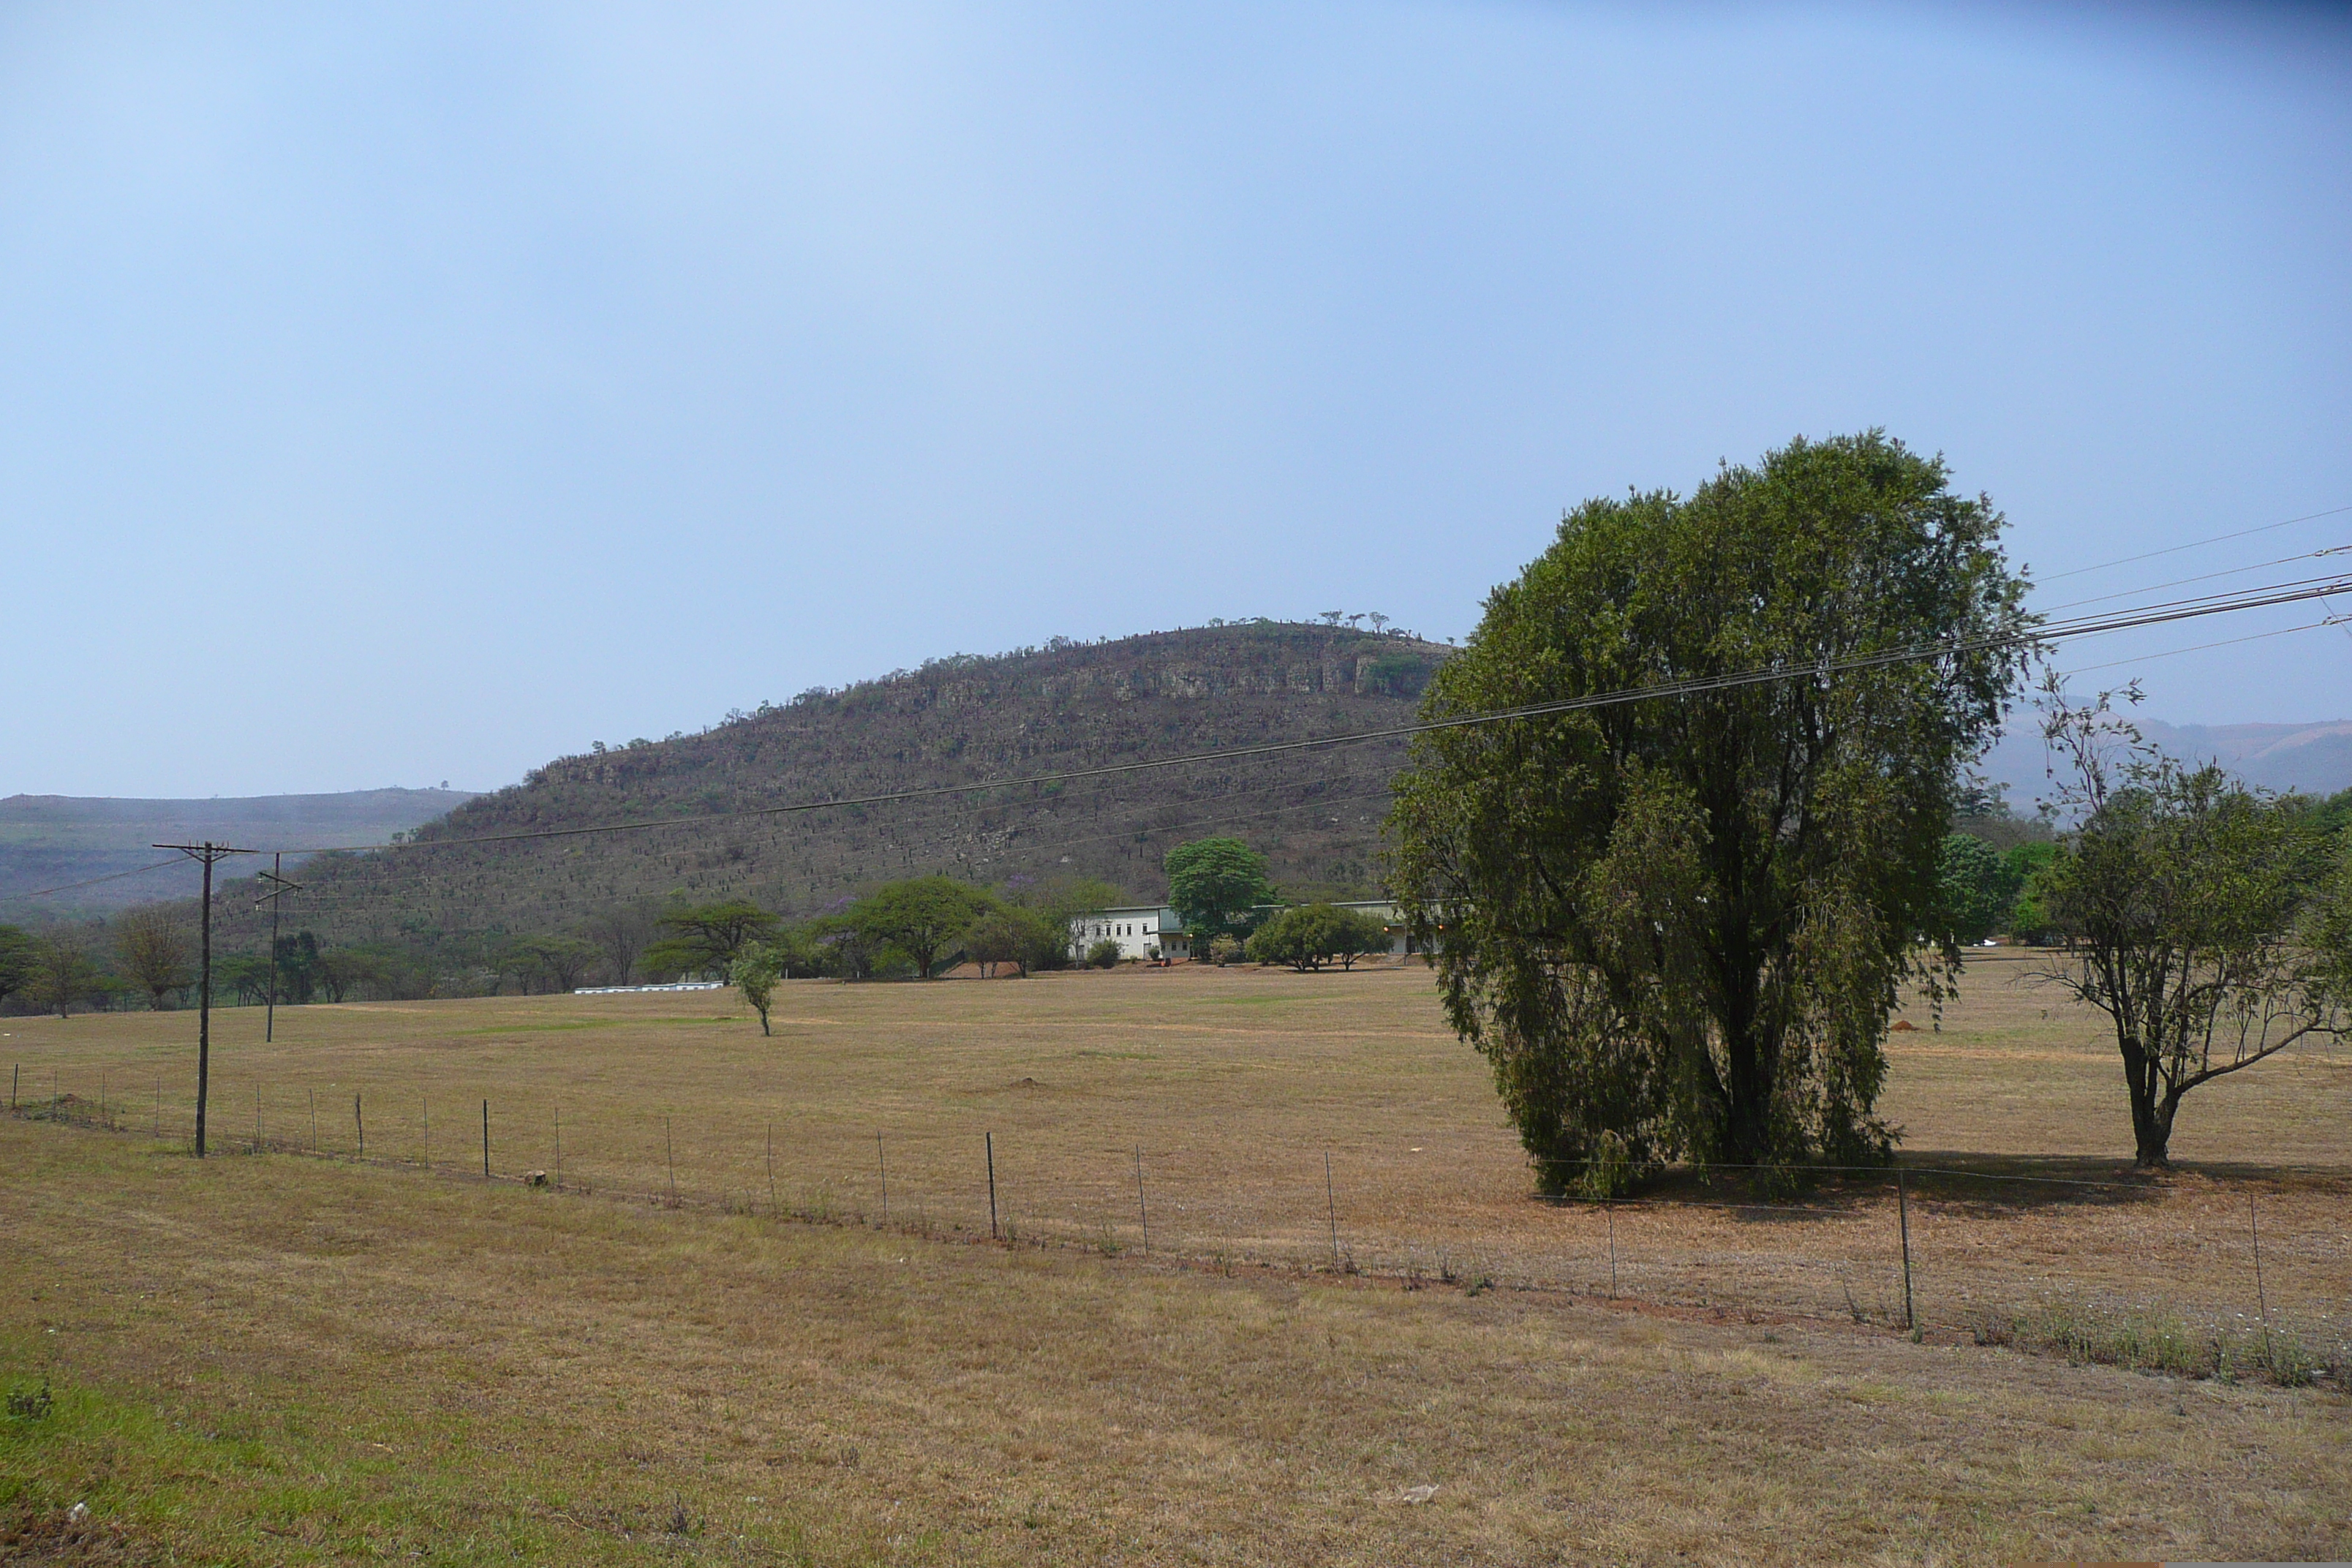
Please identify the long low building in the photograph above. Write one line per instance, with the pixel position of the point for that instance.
(1150, 931)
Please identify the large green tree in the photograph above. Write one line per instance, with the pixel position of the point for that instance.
(1977, 886)
(1313, 935)
(920, 916)
(1214, 883)
(1675, 925)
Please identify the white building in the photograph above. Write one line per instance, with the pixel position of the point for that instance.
(1146, 931)
(1142, 931)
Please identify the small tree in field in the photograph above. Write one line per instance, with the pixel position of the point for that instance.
(1022, 938)
(62, 975)
(755, 972)
(154, 948)
(1356, 935)
(2201, 916)
(1313, 935)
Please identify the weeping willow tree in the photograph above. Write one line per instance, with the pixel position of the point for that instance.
(1677, 926)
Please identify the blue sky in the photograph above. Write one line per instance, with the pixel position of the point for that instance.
(404, 393)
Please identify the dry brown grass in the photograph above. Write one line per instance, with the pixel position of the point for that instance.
(267, 1361)
(1235, 1085)
(514, 1349)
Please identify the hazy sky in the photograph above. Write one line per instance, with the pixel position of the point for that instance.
(416, 393)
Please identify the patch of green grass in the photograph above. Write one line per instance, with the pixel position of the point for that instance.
(2160, 1342)
(286, 1484)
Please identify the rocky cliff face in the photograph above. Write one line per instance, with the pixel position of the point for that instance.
(959, 720)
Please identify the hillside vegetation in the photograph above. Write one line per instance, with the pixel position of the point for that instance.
(953, 721)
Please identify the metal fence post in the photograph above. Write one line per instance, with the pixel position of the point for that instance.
(993, 1233)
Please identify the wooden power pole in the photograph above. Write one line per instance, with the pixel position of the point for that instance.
(204, 854)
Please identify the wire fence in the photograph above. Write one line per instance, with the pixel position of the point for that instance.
(2244, 1275)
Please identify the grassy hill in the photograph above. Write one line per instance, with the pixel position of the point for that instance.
(954, 721)
(49, 840)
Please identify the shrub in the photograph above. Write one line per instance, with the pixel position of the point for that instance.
(1103, 954)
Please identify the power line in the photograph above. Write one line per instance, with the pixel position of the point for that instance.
(2202, 646)
(2199, 544)
(2201, 577)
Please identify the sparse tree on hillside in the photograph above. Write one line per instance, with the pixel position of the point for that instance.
(1676, 928)
(2203, 918)
(755, 972)
(1215, 882)
(155, 950)
(919, 916)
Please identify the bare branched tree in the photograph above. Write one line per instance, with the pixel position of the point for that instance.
(156, 950)
(2198, 914)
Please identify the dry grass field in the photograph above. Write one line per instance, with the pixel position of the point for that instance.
(302, 1360)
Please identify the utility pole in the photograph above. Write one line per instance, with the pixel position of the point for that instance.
(279, 888)
(204, 854)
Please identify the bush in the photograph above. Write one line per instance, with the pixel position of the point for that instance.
(1225, 949)
(1103, 954)
(1312, 935)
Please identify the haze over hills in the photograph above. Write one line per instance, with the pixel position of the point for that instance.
(954, 721)
(2315, 758)
(50, 840)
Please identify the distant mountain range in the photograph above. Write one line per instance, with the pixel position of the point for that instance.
(49, 840)
(2315, 758)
